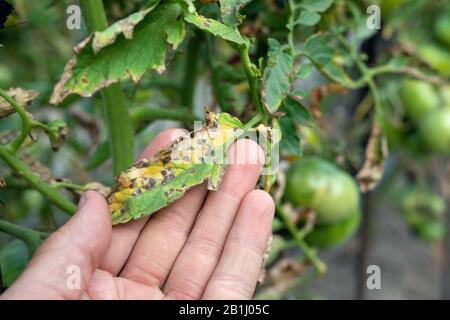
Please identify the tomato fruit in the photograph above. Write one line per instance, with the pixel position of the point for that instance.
(320, 185)
(434, 130)
(418, 98)
(442, 29)
(438, 58)
(330, 235)
(423, 211)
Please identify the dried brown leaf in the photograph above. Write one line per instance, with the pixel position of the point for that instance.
(21, 96)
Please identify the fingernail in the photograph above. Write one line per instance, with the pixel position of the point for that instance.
(82, 201)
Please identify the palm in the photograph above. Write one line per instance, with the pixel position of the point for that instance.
(205, 245)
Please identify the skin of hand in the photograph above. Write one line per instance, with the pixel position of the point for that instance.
(206, 245)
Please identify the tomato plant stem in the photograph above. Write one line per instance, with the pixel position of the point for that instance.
(190, 71)
(116, 112)
(300, 242)
(291, 27)
(31, 238)
(26, 124)
(251, 77)
(35, 181)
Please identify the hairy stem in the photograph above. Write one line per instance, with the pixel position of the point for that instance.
(26, 124)
(251, 77)
(35, 181)
(291, 26)
(300, 242)
(116, 112)
(31, 238)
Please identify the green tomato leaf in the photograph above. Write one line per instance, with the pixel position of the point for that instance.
(215, 27)
(308, 18)
(13, 259)
(106, 57)
(296, 111)
(229, 9)
(316, 5)
(276, 77)
(304, 71)
(152, 184)
(290, 143)
(175, 33)
(317, 49)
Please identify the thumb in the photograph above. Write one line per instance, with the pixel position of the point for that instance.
(62, 267)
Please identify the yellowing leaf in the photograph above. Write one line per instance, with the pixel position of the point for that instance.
(151, 184)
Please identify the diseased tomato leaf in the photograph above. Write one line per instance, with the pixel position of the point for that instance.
(229, 10)
(107, 57)
(21, 96)
(152, 184)
(215, 27)
(276, 77)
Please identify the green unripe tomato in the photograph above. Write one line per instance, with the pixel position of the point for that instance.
(434, 130)
(437, 57)
(423, 201)
(432, 231)
(445, 94)
(442, 29)
(320, 185)
(418, 98)
(331, 235)
(388, 6)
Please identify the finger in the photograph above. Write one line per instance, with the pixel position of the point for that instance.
(162, 239)
(104, 286)
(62, 267)
(237, 273)
(202, 250)
(124, 236)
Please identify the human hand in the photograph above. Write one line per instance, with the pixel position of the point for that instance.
(206, 245)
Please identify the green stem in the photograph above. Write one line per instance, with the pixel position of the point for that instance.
(190, 70)
(144, 113)
(366, 72)
(116, 112)
(291, 27)
(300, 242)
(251, 77)
(32, 238)
(69, 185)
(253, 121)
(35, 181)
(26, 124)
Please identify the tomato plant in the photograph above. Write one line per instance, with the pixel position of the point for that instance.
(350, 111)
